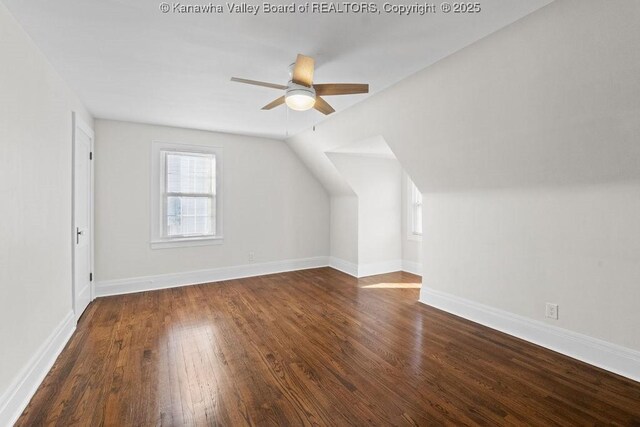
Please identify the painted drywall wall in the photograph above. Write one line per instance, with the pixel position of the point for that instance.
(376, 182)
(311, 148)
(344, 229)
(516, 250)
(273, 206)
(35, 188)
(372, 225)
(346, 225)
(528, 141)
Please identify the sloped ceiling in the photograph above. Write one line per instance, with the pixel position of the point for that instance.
(543, 103)
(128, 61)
(398, 110)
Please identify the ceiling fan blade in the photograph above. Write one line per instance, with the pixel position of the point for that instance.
(274, 104)
(303, 70)
(341, 88)
(257, 83)
(323, 106)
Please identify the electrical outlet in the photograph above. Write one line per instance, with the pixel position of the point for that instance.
(552, 311)
(252, 256)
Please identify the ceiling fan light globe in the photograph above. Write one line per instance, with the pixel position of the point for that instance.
(300, 102)
(300, 98)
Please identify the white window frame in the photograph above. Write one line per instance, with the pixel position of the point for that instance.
(412, 203)
(158, 182)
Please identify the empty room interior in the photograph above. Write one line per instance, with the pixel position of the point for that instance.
(299, 213)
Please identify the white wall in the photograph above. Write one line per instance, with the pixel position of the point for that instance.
(371, 229)
(35, 188)
(344, 230)
(514, 250)
(358, 220)
(273, 206)
(525, 145)
(376, 182)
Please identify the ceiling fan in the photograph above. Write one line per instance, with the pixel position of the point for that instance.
(301, 94)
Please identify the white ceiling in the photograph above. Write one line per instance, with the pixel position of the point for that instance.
(128, 61)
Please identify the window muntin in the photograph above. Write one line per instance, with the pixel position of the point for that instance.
(189, 194)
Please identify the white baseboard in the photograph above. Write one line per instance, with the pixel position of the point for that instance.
(412, 267)
(163, 281)
(105, 288)
(605, 355)
(22, 389)
(345, 266)
(364, 270)
(372, 269)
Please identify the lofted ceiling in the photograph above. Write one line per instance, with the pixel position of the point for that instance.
(128, 61)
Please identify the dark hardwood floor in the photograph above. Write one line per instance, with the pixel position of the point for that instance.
(313, 347)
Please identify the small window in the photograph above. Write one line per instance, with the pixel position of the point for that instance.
(189, 196)
(186, 199)
(415, 209)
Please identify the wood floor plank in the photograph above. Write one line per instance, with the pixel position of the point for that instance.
(307, 348)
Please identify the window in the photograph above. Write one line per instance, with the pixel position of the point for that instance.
(189, 194)
(186, 197)
(415, 211)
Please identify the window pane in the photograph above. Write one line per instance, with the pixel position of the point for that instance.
(190, 173)
(189, 216)
(417, 220)
(416, 210)
(416, 196)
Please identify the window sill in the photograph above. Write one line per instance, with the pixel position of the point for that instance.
(187, 242)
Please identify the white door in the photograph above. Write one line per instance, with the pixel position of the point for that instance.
(82, 215)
